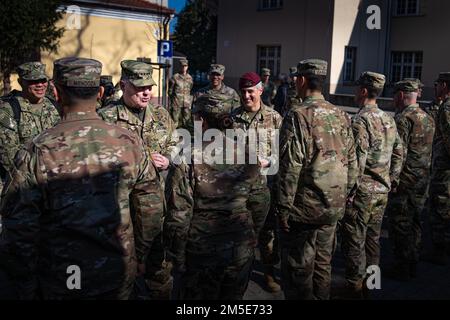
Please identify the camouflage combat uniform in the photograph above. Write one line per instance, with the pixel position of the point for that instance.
(84, 194)
(180, 87)
(155, 127)
(380, 154)
(215, 212)
(317, 167)
(440, 178)
(416, 128)
(270, 89)
(21, 121)
(265, 119)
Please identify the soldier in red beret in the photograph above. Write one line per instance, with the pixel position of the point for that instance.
(253, 114)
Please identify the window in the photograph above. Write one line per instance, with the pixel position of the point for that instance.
(269, 57)
(349, 64)
(406, 65)
(407, 7)
(270, 4)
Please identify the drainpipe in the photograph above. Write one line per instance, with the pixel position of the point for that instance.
(387, 47)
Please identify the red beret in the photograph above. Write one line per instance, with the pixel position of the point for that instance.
(248, 80)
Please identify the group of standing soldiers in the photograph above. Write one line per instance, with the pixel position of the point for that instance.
(98, 188)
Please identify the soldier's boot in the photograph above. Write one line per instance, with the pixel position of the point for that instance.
(437, 256)
(399, 272)
(269, 278)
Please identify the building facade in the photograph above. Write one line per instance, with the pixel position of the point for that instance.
(400, 38)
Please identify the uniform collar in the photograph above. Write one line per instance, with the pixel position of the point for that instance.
(314, 98)
(80, 115)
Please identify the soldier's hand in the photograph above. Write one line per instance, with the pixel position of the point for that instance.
(160, 161)
(264, 163)
(283, 224)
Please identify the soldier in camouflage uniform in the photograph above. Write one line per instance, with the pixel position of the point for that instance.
(440, 177)
(317, 169)
(108, 88)
(84, 194)
(253, 114)
(153, 124)
(416, 129)
(25, 114)
(379, 152)
(270, 90)
(180, 87)
(433, 108)
(218, 91)
(293, 97)
(215, 212)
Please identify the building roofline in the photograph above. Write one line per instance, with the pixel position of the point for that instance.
(128, 5)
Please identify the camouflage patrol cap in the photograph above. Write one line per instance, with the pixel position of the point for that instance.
(217, 68)
(312, 67)
(32, 71)
(293, 71)
(444, 76)
(265, 72)
(421, 85)
(77, 72)
(406, 86)
(104, 80)
(184, 62)
(138, 73)
(210, 104)
(372, 80)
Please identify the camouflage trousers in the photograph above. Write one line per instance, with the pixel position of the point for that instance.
(361, 229)
(405, 228)
(268, 241)
(306, 252)
(268, 237)
(440, 208)
(221, 276)
(181, 116)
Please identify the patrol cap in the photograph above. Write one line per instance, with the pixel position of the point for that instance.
(77, 72)
(371, 80)
(32, 71)
(406, 86)
(217, 68)
(104, 80)
(138, 73)
(421, 85)
(312, 67)
(184, 62)
(444, 76)
(293, 71)
(265, 72)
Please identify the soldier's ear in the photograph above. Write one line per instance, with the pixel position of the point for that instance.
(101, 92)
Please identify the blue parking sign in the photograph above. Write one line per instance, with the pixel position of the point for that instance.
(165, 48)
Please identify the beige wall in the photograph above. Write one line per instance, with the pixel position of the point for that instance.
(350, 29)
(303, 29)
(108, 40)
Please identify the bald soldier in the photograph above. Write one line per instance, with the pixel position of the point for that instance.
(180, 87)
(216, 209)
(380, 154)
(85, 198)
(254, 115)
(317, 169)
(407, 200)
(25, 114)
(153, 124)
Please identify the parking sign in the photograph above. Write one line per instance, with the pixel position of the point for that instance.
(165, 48)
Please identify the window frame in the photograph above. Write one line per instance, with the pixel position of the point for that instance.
(276, 69)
